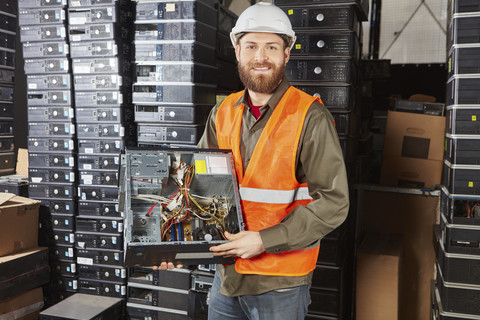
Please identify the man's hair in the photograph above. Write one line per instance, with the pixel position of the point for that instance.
(285, 38)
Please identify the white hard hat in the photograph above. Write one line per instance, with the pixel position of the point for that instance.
(263, 17)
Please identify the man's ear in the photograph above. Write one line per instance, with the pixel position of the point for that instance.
(237, 52)
(287, 54)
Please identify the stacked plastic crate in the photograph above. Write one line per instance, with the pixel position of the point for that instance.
(324, 62)
(176, 75)
(8, 29)
(458, 254)
(100, 34)
(51, 134)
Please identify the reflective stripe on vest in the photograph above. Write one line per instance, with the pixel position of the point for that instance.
(274, 196)
(268, 187)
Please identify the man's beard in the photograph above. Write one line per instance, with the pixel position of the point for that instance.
(261, 83)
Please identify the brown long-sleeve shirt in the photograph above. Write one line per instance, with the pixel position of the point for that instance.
(319, 163)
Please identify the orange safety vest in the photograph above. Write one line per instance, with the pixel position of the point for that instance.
(269, 189)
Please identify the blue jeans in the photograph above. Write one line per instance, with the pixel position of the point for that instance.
(285, 304)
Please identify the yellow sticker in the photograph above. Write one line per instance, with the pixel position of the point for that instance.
(450, 65)
(474, 118)
(298, 46)
(290, 12)
(470, 184)
(169, 7)
(200, 167)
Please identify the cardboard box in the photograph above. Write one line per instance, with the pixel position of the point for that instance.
(23, 271)
(410, 172)
(25, 306)
(414, 135)
(413, 216)
(377, 276)
(19, 223)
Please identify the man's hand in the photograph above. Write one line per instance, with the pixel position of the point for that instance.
(245, 244)
(164, 266)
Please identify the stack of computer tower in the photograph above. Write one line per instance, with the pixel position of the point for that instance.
(458, 254)
(8, 29)
(51, 134)
(375, 100)
(176, 75)
(100, 34)
(228, 80)
(324, 62)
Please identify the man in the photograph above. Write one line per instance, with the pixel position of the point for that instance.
(291, 174)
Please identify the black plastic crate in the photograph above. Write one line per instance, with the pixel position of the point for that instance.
(463, 6)
(462, 150)
(458, 268)
(458, 298)
(463, 60)
(324, 70)
(461, 180)
(463, 90)
(326, 44)
(460, 239)
(463, 120)
(464, 30)
(460, 209)
(438, 312)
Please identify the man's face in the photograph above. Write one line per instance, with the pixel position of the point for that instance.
(261, 61)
